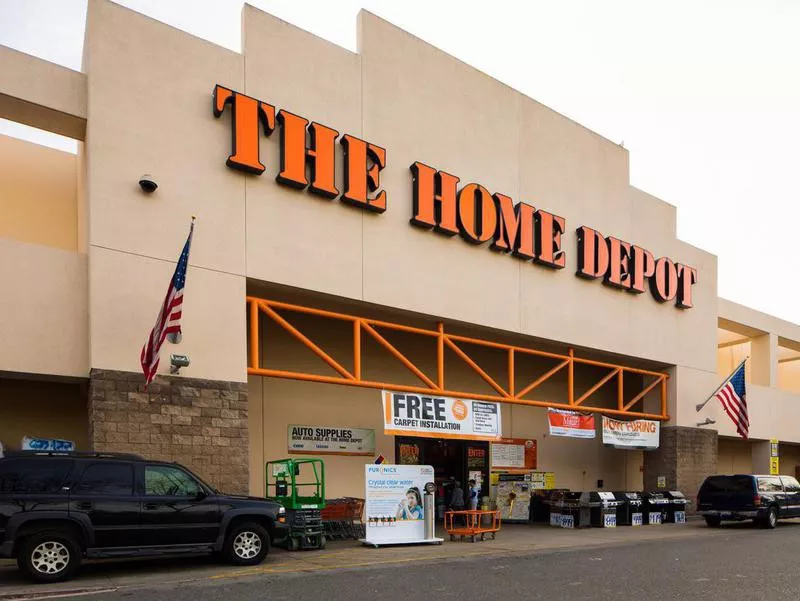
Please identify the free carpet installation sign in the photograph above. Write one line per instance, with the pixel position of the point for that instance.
(440, 417)
(639, 433)
(328, 439)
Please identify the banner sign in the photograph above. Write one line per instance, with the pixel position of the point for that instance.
(638, 434)
(393, 503)
(440, 417)
(519, 453)
(571, 424)
(325, 439)
(47, 444)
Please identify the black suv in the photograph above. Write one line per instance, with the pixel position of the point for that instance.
(763, 499)
(56, 508)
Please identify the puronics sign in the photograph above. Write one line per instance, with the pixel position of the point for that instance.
(308, 160)
(407, 414)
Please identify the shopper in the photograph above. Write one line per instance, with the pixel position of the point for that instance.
(473, 493)
(457, 497)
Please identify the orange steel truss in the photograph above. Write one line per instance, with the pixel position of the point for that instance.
(506, 393)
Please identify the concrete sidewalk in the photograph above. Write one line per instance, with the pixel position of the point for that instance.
(513, 539)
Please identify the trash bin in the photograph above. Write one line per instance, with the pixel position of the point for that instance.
(577, 510)
(655, 507)
(603, 510)
(676, 510)
(629, 509)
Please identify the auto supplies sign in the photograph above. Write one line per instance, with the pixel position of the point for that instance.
(570, 424)
(440, 417)
(394, 510)
(327, 439)
(638, 434)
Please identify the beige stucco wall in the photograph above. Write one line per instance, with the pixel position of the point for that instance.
(38, 194)
(735, 457)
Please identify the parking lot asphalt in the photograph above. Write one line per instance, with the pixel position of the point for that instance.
(109, 577)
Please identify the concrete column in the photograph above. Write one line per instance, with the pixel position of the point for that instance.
(685, 457)
(764, 360)
(759, 450)
(201, 424)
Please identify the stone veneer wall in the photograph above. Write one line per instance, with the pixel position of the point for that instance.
(685, 457)
(201, 424)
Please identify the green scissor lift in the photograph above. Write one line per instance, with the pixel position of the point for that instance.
(299, 485)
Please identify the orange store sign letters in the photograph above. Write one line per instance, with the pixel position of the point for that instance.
(308, 161)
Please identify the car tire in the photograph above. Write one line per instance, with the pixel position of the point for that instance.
(49, 556)
(247, 544)
(771, 520)
(713, 521)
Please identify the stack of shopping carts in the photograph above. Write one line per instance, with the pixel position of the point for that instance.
(342, 518)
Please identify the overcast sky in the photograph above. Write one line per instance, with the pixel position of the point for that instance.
(704, 93)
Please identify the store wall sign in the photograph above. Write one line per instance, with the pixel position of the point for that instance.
(308, 160)
(636, 434)
(407, 414)
(332, 440)
(570, 424)
(514, 453)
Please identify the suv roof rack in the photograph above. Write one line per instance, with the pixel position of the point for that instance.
(78, 454)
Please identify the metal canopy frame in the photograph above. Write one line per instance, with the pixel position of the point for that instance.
(508, 392)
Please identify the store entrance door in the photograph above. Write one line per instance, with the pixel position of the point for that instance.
(462, 460)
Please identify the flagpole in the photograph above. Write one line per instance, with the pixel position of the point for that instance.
(700, 406)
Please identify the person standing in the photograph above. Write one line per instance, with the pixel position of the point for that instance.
(473, 494)
(457, 497)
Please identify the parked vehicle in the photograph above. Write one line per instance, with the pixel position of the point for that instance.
(57, 508)
(763, 499)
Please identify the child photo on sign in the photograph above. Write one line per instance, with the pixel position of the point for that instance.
(410, 508)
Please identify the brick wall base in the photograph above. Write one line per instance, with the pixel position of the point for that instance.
(201, 424)
(685, 457)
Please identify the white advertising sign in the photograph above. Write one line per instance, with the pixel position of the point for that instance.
(440, 417)
(393, 509)
(326, 439)
(639, 434)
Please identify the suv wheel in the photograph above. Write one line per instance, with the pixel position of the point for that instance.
(247, 544)
(49, 556)
(713, 521)
(772, 518)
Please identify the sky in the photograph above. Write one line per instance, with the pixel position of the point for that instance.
(704, 94)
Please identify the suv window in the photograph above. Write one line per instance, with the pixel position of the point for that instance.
(770, 484)
(740, 484)
(33, 475)
(167, 481)
(790, 484)
(107, 478)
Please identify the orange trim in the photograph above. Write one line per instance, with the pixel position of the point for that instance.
(650, 387)
(594, 388)
(542, 378)
(302, 338)
(398, 355)
(439, 387)
(466, 358)
(255, 339)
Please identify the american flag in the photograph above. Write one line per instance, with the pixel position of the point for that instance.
(732, 396)
(168, 322)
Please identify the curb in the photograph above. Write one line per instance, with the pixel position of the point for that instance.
(57, 593)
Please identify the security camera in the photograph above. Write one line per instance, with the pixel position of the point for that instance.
(178, 361)
(148, 183)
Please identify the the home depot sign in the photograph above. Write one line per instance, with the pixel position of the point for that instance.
(441, 202)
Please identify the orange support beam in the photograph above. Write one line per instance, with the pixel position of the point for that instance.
(442, 340)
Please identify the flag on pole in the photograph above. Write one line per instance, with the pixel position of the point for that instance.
(732, 394)
(168, 322)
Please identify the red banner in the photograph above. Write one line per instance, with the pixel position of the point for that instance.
(571, 424)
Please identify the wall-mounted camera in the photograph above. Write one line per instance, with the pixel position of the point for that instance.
(148, 183)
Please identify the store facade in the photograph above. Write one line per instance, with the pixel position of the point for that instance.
(388, 220)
